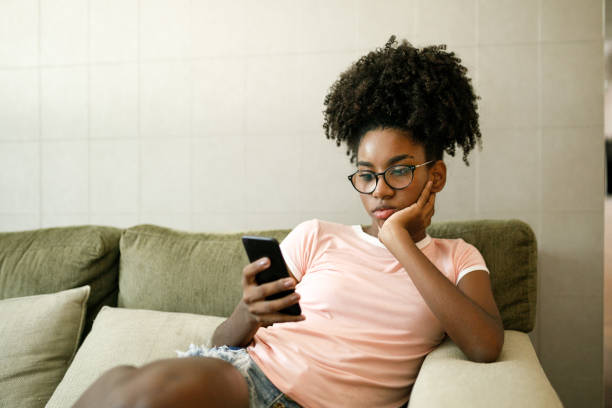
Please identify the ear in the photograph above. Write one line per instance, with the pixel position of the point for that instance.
(437, 173)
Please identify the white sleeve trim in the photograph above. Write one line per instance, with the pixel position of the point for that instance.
(471, 269)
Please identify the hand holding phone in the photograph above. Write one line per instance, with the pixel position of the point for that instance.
(271, 281)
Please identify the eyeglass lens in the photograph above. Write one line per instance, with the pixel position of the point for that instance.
(397, 177)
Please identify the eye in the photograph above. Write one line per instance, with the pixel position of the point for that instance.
(365, 176)
(400, 171)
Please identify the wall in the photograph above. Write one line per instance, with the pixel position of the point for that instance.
(206, 116)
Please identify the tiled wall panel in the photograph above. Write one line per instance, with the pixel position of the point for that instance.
(206, 116)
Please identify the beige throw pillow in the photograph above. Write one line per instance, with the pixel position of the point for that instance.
(130, 336)
(39, 336)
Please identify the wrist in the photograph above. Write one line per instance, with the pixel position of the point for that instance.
(391, 233)
(246, 317)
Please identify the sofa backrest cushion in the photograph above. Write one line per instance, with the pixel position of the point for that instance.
(169, 270)
(175, 271)
(509, 248)
(53, 259)
(39, 336)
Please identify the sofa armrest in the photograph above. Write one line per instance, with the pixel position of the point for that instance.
(448, 379)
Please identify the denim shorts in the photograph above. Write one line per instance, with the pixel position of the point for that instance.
(262, 393)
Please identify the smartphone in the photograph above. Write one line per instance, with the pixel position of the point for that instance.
(258, 247)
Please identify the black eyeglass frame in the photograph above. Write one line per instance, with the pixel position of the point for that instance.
(412, 168)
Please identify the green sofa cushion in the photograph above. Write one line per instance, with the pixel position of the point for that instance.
(175, 271)
(509, 248)
(169, 270)
(39, 337)
(54, 259)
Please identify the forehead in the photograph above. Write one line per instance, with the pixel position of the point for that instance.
(379, 145)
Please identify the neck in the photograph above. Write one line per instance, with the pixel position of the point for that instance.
(371, 230)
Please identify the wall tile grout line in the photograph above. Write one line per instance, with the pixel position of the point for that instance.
(40, 119)
(451, 46)
(89, 102)
(191, 145)
(540, 135)
(139, 111)
(477, 80)
(191, 107)
(245, 112)
(357, 22)
(415, 20)
(245, 71)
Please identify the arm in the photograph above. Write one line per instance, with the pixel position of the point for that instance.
(237, 330)
(253, 311)
(470, 319)
(468, 312)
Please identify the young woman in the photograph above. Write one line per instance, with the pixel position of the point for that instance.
(375, 300)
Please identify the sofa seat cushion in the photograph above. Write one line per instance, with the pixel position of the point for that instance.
(133, 337)
(39, 336)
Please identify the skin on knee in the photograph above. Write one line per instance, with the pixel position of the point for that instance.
(185, 382)
(107, 389)
(195, 382)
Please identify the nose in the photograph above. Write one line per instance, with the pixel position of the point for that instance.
(382, 189)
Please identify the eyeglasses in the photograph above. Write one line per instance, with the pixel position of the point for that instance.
(397, 177)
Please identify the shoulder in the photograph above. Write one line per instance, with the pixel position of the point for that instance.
(308, 227)
(454, 244)
(455, 248)
(323, 233)
(323, 227)
(305, 231)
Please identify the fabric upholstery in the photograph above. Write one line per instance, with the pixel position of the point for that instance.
(164, 269)
(38, 338)
(132, 337)
(448, 379)
(510, 250)
(54, 259)
(169, 270)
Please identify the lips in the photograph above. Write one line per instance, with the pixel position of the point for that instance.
(382, 213)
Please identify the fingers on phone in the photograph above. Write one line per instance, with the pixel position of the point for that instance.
(269, 319)
(252, 269)
(273, 306)
(277, 286)
(253, 293)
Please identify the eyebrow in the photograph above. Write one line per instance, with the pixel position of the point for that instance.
(392, 160)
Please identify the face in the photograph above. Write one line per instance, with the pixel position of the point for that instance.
(380, 149)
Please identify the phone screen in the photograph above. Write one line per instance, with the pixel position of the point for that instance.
(258, 247)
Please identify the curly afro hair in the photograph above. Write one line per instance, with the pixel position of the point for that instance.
(424, 91)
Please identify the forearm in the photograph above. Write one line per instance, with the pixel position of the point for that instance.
(237, 330)
(476, 332)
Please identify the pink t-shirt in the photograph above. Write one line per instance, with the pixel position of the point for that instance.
(367, 328)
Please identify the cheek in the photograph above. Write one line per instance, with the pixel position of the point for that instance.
(409, 196)
(364, 200)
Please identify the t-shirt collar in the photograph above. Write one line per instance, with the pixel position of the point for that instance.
(375, 241)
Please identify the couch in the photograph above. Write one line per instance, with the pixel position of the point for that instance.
(76, 301)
